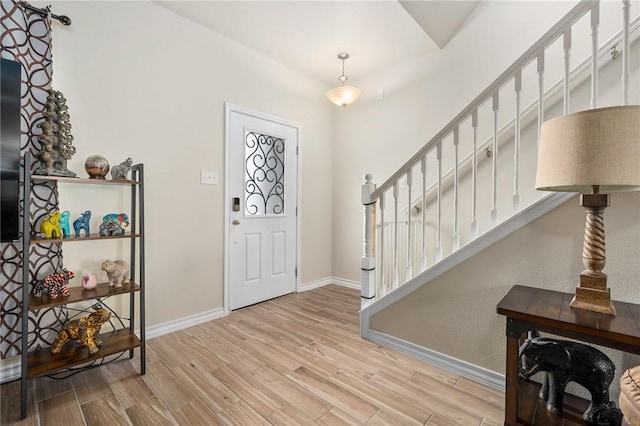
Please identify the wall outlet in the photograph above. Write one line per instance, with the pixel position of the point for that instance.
(208, 178)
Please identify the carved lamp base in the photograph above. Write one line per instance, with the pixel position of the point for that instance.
(593, 294)
(594, 300)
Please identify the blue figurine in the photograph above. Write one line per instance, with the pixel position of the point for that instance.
(82, 223)
(64, 224)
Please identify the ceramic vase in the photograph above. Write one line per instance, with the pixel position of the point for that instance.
(96, 166)
(89, 281)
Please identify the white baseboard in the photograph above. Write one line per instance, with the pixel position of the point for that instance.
(314, 284)
(346, 283)
(329, 280)
(457, 366)
(186, 322)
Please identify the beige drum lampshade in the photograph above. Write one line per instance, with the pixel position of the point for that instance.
(593, 147)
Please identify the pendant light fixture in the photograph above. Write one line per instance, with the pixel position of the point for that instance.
(343, 95)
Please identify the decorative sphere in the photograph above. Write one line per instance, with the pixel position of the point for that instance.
(96, 166)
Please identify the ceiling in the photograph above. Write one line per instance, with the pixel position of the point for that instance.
(308, 35)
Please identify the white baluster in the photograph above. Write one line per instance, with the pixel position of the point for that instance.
(409, 268)
(439, 251)
(540, 92)
(626, 50)
(396, 254)
(415, 259)
(423, 168)
(383, 249)
(474, 174)
(402, 251)
(456, 235)
(567, 68)
(494, 164)
(595, 22)
(368, 261)
(516, 144)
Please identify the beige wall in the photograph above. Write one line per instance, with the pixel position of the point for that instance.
(455, 313)
(144, 83)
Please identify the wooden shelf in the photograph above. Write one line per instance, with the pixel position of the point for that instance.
(78, 294)
(83, 180)
(532, 411)
(93, 237)
(42, 362)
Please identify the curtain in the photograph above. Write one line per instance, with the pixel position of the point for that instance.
(26, 38)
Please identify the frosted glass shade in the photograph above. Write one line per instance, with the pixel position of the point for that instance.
(593, 147)
(343, 95)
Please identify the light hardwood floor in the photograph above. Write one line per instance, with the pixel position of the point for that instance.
(295, 360)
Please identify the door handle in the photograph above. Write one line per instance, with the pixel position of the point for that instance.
(235, 222)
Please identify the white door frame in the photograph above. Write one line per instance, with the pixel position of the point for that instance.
(229, 107)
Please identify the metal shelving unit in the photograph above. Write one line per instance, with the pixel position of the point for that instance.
(41, 362)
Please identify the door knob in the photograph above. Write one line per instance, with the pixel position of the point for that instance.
(235, 222)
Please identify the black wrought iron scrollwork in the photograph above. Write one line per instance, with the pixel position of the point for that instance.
(264, 181)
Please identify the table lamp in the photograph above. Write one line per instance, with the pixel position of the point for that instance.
(593, 152)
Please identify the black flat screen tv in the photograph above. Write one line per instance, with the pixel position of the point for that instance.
(10, 83)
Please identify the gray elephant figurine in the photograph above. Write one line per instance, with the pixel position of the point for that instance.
(564, 362)
(117, 272)
(119, 171)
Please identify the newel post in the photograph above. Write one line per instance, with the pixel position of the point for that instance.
(368, 261)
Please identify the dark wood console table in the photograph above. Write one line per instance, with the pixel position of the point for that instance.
(528, 308)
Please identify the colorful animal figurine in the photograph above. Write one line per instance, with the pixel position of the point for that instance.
(82, 223)
(64, 223)
(117, 272)
(123, 218)
(50, 226)
(83, 331)
(110, 227)
(119, 171)
(55, 284)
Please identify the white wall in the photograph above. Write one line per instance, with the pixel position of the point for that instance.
(144, 83)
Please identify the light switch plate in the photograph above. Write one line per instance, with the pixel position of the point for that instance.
(208, 178)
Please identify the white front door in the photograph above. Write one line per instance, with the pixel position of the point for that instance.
(262, 189)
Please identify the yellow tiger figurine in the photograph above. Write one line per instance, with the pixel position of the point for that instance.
(83, 330)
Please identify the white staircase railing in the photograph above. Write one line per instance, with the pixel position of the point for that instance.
(479, 171)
